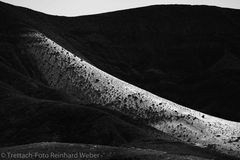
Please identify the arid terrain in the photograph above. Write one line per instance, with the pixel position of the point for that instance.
(158, 82)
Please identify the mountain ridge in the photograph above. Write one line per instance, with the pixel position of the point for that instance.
(63, 70)
(31, 62)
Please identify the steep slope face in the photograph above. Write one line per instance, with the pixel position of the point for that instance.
(38, 70)
(32, 111)
(63, 70)
(167, 50)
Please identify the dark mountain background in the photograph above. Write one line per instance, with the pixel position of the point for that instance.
(187, 54)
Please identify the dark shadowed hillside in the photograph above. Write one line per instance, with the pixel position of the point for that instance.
(177, 52)
(187, 54)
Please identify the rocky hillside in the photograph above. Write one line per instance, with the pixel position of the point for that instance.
(62, 80)
(64, 71)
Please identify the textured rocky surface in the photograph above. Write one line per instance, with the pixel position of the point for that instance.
(51, 89)
(63, 70)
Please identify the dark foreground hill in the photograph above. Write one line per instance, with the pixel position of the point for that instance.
(85, 151)
(186, 54)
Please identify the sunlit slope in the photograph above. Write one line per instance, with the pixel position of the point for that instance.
(178, 52)
(63, 70)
